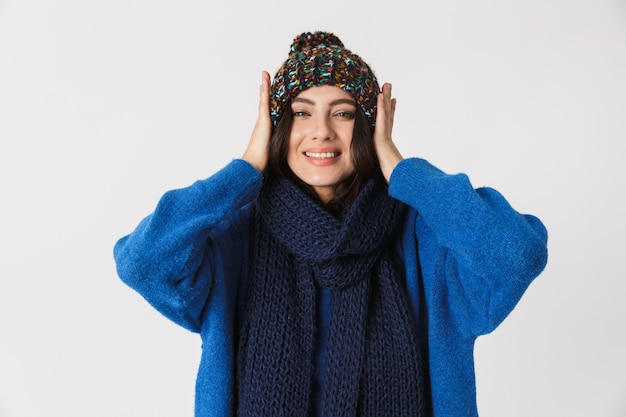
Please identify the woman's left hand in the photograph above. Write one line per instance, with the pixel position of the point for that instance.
(388, 153)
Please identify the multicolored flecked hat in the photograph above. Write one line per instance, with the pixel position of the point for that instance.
(320, 58)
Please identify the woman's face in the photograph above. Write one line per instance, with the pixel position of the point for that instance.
(321, 135)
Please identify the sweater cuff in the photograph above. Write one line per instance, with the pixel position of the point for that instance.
(238, 175)
(414, 171)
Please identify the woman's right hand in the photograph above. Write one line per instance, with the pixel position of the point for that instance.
(258, 146)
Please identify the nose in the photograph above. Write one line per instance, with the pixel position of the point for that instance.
(322, 128)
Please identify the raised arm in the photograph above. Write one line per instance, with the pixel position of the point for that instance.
(171, 256)
(484, 253)
(488, 252)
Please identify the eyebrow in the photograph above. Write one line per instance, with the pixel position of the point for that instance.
(332, 103)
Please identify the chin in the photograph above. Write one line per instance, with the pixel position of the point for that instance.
(323, 180)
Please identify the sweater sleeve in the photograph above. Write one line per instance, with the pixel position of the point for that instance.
(486, 253)
(170, 257)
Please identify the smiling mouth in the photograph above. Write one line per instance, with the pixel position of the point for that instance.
(322, 155)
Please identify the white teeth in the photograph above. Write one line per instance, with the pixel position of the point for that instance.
(322, 154)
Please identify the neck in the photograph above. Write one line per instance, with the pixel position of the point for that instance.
(325, 194)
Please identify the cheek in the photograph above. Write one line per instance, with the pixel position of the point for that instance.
(292, 149)
(295, 134)
(294, 141)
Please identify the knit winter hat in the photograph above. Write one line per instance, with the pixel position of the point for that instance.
(320, 58)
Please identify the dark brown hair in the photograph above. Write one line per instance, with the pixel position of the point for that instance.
(363, 154)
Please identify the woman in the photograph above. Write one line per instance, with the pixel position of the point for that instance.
(326, 274)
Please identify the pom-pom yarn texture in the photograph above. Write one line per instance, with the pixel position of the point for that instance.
(320, 58)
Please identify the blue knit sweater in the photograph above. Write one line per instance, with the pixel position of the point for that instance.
(468, 259)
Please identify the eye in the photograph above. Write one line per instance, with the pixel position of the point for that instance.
(345, 115)
(299, 113)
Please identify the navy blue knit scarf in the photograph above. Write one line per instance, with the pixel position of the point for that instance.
(372, 365)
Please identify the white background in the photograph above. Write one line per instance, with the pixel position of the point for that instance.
(104, 105)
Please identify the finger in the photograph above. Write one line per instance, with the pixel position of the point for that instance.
(264, 95)
(381, 114)
(264, 88)
(393, 111)
(390, 103)
(265, 82)
(387, 107)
